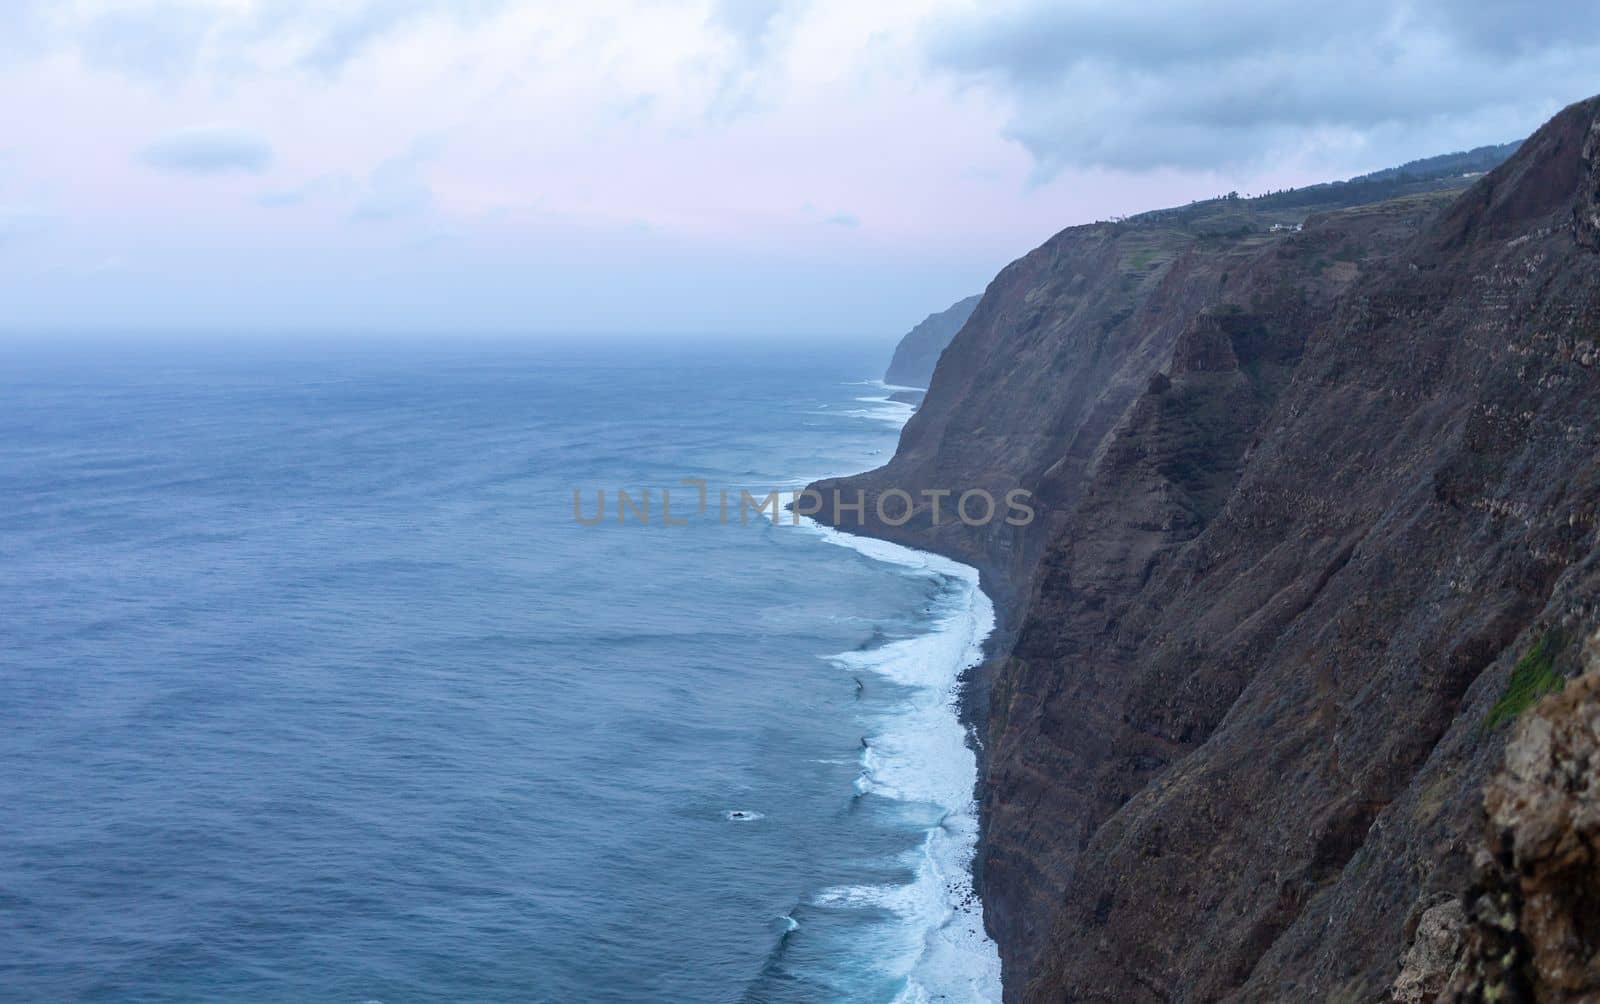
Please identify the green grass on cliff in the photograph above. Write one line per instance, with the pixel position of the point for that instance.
(1533, 677)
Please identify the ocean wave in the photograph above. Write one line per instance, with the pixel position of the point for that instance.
(880, 407)
(918, 754)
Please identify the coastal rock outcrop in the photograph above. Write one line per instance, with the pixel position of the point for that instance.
(1534, 933)
(1434, 955)
(918, 352)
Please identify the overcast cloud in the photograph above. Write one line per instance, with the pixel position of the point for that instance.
(738, 166)
(1231, 82)
(209, 150)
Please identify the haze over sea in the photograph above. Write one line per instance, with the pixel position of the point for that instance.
(314, 689)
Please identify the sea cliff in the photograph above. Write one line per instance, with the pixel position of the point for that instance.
(1316, 479)
(918, 352)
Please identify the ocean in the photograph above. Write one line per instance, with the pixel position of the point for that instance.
(315, 689)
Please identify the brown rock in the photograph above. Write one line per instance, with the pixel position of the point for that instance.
(1535, 926)
(1433, 955)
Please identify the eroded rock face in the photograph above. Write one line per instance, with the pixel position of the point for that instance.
(1067, 339)
(1433, 955)
(1243, 732)
(1535, 913)
(1586, 216)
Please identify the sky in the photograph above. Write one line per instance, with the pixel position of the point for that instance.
(747, 168)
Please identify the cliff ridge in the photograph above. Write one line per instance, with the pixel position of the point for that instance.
(1316, 486)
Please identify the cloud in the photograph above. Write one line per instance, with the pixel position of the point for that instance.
(156, 42)
(168, 40)
(332, 186)
(209, 150)
(347, 37)
(837, 218)
(1174, 83)
(396, 189)
(748, 21)
(17, 224)
(23, 26)
(282, 198)
(392, 200)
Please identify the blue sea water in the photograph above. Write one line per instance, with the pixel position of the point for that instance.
(313, 689)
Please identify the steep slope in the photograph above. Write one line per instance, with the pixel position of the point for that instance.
(1237, 746)
(1312, 506)
(1067, 338)
(918, 351)
(1162, 476)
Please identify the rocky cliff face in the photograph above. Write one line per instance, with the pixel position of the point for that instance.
(1531, 924)
(918, 352)
(1068, 338)
(1060, 345)
(1318, 520)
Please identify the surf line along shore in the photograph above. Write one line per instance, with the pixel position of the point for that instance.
(893, 507)
(920, 752)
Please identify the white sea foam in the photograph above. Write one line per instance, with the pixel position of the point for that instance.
(878, 406)
(881, 409)
(918, 755)
(882, 385)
